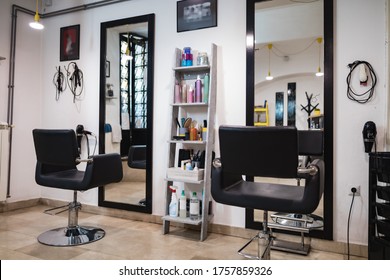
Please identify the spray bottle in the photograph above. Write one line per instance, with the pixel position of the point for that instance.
(173, 206)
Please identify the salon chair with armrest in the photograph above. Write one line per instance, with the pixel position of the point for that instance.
(57, 157)
(264, 152)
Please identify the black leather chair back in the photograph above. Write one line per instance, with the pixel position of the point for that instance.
(259, 151)
(56, 147)
(137, 157)
(311, 142)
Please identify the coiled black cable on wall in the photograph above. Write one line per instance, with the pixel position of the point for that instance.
(75, 80)
(364, 97)
(59, 81)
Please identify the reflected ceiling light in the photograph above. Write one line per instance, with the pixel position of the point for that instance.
(319, 72)
(128, 55)
(36, 24)
(269, 77)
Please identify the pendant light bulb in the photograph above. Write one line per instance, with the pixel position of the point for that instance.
(128, 55)
(269, 77)
(319, 73)
(36, 24)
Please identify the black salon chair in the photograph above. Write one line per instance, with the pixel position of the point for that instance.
(137, 160)
(57, 158)
(264, 152)
(310, 147)
(137, 157)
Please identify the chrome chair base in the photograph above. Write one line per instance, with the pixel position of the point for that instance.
(264, 244)
(297, 223)
(67, 236)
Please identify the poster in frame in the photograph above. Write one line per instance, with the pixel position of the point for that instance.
(70, 43)
(196, 14)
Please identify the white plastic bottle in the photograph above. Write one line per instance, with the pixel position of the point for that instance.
(194, 207)
(183, 205)
(173, 206)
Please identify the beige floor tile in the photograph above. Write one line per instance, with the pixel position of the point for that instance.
(124, 240)
(7, 254)
(45, 252)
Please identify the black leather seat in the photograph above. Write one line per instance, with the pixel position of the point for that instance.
(264, 152)
(57, 158)
(137, 157)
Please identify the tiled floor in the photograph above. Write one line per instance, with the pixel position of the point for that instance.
(125, 239)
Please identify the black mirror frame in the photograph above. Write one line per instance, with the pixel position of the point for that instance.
(327, 232)
(150, 19)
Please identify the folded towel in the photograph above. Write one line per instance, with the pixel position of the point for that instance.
(116, 133)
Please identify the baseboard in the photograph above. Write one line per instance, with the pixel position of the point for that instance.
(316, 244)
(6, 206)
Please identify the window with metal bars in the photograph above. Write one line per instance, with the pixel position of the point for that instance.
(133, 81)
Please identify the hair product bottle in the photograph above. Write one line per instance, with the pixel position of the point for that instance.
(194, 207)
(198, 90)
(206, 84)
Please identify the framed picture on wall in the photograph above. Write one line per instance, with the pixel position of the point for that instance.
(70, 43)
(196, 14)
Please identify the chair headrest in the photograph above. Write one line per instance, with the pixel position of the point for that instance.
(259, 151)
(56, 146)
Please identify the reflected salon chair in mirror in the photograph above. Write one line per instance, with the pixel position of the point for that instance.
(126, 108)
(290, 82)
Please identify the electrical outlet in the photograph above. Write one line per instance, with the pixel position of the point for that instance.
(357, 193)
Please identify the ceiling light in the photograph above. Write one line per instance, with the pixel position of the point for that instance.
(269, 77)
(36, 24)
(319, 73)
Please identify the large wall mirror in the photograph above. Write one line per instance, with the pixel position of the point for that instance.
(290, 81)
(126, 109)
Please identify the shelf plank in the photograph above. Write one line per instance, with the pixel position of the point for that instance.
(182, 220)
(182, 180)
(195, 104)
(187, 142)
(192, 68)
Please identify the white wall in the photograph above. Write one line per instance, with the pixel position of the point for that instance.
(359, 34)
(27, 96)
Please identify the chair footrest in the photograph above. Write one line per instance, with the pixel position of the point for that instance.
(291, 247)
(51, 210)
(290, 228)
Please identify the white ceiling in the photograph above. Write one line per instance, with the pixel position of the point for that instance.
(285, 20)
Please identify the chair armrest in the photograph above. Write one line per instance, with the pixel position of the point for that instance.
(105, 169)
(314, 186)
(221, 180)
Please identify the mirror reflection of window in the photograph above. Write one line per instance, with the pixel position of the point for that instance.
(133, 82)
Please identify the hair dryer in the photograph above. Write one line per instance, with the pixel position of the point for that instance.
(80, 132)
(369, 134)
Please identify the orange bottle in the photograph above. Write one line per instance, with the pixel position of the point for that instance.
(193, 134)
